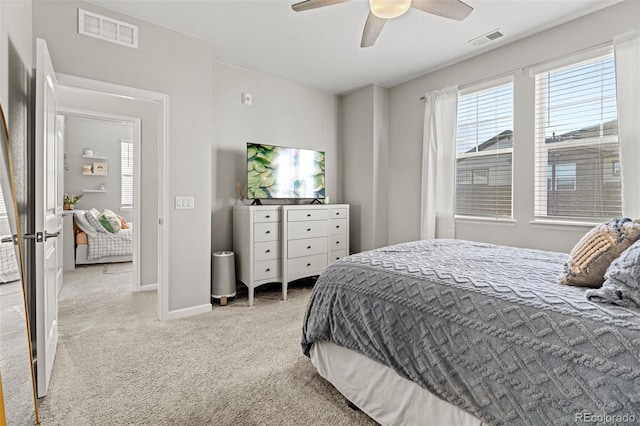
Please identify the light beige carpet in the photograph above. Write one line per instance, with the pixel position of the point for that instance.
(117, 364)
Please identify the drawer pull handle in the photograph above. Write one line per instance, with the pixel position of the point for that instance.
(308, 229)
(308, 247)
(267, 270)
(337, 242)
(267, 216)
(308, 214)
(337, 213)
(337, 226)
(267, 251)
(338, 258)
(308, 264)
(268, 232)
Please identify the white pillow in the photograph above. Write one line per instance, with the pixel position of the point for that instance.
(83, 223)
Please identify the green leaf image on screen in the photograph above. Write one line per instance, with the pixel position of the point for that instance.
(282, 172)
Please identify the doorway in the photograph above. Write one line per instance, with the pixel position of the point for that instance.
(150, 110)
(101, 172)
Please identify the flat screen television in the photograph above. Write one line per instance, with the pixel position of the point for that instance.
(284, 172)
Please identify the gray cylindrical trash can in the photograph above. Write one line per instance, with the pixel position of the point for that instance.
(223, 276)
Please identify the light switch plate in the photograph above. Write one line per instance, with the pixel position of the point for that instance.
(185, 202)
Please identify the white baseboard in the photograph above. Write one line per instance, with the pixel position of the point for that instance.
(149, 287)
(188, 312)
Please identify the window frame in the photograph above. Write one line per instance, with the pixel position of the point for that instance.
(542, 149)
(130, 149)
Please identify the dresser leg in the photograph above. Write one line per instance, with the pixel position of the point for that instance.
(250, 296)
(284, 291)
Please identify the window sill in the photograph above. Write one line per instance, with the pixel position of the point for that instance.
(541, 223)
(126, 208)
(480, 219)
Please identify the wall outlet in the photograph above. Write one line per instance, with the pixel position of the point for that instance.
(183, 202)
(246, 98)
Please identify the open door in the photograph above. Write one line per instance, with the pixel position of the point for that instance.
(48, 218)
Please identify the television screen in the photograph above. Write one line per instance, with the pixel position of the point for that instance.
(282, 172)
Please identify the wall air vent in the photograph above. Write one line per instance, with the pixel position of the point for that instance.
(98, 26)
(486, 38)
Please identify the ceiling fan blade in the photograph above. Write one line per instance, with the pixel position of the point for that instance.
(372, 29)
(314, 4)
(452, 9)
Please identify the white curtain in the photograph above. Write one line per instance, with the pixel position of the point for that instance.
(438, 164)
(627, 56)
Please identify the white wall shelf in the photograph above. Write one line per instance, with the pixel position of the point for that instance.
(94, 190)
(95, 157)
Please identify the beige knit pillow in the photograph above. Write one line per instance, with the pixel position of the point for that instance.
(590, 258)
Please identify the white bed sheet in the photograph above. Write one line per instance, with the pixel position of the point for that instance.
(381, 393)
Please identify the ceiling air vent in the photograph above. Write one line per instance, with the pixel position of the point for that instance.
(98, 26)
(486, 38)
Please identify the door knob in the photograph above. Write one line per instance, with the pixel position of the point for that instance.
(48, 235)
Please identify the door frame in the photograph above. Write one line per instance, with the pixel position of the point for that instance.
(136, 122)
(162, 100)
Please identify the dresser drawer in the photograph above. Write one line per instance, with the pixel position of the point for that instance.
(266, 269)
(266, 216)
(338, 213)
(338, 242)
(306, 266)
(267, 231)
(338, 226)
(309, 229)
(306, 247)
(309, 214)
(267, 250)
(337, 254)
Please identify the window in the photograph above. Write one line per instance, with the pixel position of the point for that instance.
(3, 207)
(484, 148)
(126, 167)
(577, 158)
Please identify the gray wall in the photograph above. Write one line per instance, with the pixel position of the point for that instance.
(407, 119)
(365, 145)
(282, 113)
(103, 137)
(166, 62)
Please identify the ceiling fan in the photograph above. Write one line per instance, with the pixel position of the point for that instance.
(381, 10)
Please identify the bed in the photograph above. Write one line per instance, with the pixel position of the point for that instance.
(99, 246)
(457, 332)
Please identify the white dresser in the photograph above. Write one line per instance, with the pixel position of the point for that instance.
(256, 246)
(285, 243)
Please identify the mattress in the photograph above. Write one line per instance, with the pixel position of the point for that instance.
(486, 328)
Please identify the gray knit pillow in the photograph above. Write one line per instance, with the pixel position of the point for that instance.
(622, 280)
(592, 255)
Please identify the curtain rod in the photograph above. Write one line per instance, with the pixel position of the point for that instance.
(537, 64)
(484, 80)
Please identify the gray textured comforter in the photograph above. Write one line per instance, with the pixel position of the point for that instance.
(485, 327)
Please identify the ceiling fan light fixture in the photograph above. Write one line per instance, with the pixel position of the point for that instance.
(388, 9)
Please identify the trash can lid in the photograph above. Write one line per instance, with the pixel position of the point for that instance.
(223, 253)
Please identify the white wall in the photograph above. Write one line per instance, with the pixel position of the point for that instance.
(103, 138)
(165, 62)
(407, 121)
(282, 113)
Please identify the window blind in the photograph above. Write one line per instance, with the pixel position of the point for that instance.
(3, 206)
(126, 170)
(484, 149)
(577, 162)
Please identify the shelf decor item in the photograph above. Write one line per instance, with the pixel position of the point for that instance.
(100, 169)
(69, 202)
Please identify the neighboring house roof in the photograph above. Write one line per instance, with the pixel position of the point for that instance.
(608, 128)
(500, 141)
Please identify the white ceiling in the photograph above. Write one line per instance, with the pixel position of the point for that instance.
(321, 48)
